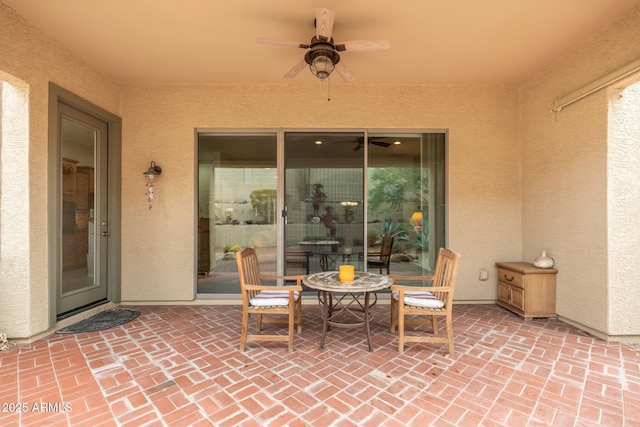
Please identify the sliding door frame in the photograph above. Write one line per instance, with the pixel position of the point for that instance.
(280, 187)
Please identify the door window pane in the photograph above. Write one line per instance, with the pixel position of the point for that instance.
(236, 206)
(78, 227)
(406, 198)
(324, 181)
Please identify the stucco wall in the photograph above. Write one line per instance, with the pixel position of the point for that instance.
(35, 60)
(521, 179)
(624, 211)
(159, 122)
(564, 193)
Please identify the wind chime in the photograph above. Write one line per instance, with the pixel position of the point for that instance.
(151, 176)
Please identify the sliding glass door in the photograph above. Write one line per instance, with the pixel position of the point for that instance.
(310, 201)
(324, 200)
(237, 181)
(406, 198)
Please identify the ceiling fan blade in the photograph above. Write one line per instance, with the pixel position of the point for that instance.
(324, 22)
(380, 143)
(344, 72)
(296, 69)
(358, 147)
(363, 45)
(356, 140)
(283, 43)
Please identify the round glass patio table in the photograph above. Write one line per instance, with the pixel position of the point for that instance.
(347, 304)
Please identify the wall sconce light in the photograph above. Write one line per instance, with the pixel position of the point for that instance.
(416, 220)
(151, 176)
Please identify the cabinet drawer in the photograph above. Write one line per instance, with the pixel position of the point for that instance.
(510, 277)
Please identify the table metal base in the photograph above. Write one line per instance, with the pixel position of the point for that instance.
(346, 310)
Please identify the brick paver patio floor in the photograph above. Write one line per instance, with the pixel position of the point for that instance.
(180, 366)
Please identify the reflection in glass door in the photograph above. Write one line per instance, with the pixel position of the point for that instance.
(84, 222)
(341, 193)
(406, 198)
(237, 194)
(324, 200)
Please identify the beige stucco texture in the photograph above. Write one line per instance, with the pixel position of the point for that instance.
(520, 178)
(577, 195)
(482, 205)
(28, 62)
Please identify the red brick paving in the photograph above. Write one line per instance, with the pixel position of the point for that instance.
(180, 366)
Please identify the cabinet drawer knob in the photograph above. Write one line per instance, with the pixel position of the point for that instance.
(508, 279)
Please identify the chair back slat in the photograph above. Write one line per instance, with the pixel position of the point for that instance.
(445, 274)
(385, 249)
(249, 271)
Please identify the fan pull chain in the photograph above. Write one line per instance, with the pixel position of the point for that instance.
(329, 89)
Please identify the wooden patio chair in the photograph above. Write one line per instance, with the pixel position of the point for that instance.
(384, 256)
(410, 304)
(270, 304)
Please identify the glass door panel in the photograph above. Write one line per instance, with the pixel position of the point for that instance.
(84, 222)
(405, 184)
(237, 186)
(324, 200)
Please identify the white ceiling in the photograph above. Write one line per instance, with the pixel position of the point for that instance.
(432, 41)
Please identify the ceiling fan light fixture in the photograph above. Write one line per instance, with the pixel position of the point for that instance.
(322, 67)
(322, 61)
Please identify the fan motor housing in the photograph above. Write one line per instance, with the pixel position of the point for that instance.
(321, 48)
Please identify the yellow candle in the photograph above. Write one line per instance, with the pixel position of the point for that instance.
(347, 273)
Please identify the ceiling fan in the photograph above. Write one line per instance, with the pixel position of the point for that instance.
(322, 55)
(360, 143)
(378, 143)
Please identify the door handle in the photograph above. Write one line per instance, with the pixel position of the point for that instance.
(105, 233)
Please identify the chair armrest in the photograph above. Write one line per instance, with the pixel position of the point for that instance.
(297, 278)
(414, 278)
(421, 288)
(291, 288)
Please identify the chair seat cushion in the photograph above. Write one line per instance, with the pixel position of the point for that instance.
(419, 299)
(273, 298)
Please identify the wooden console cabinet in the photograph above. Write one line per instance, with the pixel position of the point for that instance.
(527, 290)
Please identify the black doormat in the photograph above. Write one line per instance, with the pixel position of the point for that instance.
(105, 320)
